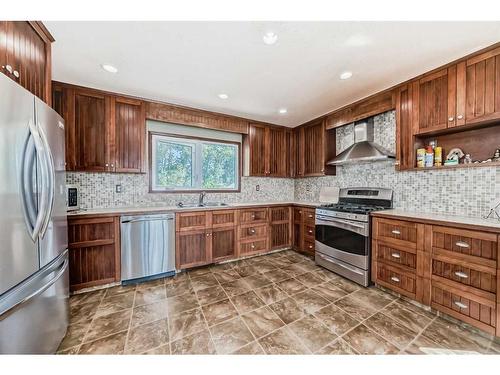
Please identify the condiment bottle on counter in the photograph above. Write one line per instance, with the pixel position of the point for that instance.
(429, 156)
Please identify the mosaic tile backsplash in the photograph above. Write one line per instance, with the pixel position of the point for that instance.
(97, 190)
(465, 192)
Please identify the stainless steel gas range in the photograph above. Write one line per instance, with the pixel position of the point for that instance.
(343, 232)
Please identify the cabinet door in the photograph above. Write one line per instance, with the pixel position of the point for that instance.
(405, 158)
(192, 249)
(314, 150)
(278, 153)
(223, 243)
(129, 134)
(298, 236)
(259, 156)
(435, 99)
(482, 88)
(24, 56)
(94, 251)
(88, 132)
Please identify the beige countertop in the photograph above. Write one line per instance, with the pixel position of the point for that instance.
(160, 208)
(462, 221)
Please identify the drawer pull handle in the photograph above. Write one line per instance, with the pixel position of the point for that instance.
(396, 255)
(253, 246)
(309, 231)
(310, 246)
(462, 244)
(252, 216)
(462, 275)
(310, 216)
(395, 279)
(252, 231)
(460, 304)
(395, 231)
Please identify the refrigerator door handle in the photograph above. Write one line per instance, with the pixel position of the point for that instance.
(50, 180)
(59, 266)
(27, 171)
(33, 228)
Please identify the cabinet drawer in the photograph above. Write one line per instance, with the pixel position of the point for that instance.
(309, 216)
(250, 231)
(247, 248)
(256, 215)
(309, 246)
(396, 231)
(298, 213)
(224, 218)
(468, 274)
(309, 231)
(397, 279)
(396, 255)
(467, 245)
(91, 231)
(464, 306)
(188, 221)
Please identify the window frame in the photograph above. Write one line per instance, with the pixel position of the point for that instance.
(239, 165)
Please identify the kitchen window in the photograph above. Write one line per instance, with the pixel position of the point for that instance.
(180, 164)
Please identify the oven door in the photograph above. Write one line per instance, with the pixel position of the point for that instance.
(345, 240)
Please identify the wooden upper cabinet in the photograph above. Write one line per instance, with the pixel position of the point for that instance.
(258, 152)
(104, 133)
(130, 130)
(479, 88)
(268, 150)
(434, 98)
(404, 135)
(315, 146)
(89, 133)
(25, 56)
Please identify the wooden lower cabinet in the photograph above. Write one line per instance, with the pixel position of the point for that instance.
(303, 230)
(94, 251)
(451, 269)
(204, 237)
(192, 248)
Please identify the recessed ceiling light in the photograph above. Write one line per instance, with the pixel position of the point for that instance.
(282, 111)
(223, 96)
(109, 68)
(346, 75)
(270, 38)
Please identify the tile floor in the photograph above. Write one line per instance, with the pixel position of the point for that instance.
(280, 303)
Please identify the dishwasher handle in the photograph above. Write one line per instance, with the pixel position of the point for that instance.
(135, 219)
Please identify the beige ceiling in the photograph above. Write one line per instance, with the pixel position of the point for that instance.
(190, 63)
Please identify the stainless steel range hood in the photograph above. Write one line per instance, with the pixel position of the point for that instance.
(364, 148)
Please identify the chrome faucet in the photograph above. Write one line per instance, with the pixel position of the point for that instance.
(200, 199)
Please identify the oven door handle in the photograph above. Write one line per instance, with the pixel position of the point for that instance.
(352, 269)
(345, 224)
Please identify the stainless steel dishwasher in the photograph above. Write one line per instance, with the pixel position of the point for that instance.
(147, 246)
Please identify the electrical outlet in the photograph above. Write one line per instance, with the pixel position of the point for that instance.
(257, 187)
(118, 188)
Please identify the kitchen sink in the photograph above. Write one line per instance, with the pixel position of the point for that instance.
(207, 204)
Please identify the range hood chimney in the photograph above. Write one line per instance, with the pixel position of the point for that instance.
(364, 148)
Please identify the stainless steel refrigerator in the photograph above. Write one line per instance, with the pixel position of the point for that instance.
(34, 282)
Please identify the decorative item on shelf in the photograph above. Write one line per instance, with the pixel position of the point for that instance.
(421, 157)
(467, 159)
(494, 210)
(496, 156)
(454, 156)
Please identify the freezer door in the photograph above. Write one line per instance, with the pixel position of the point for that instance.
(18, 195)
(34, 315)
(52, 179)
